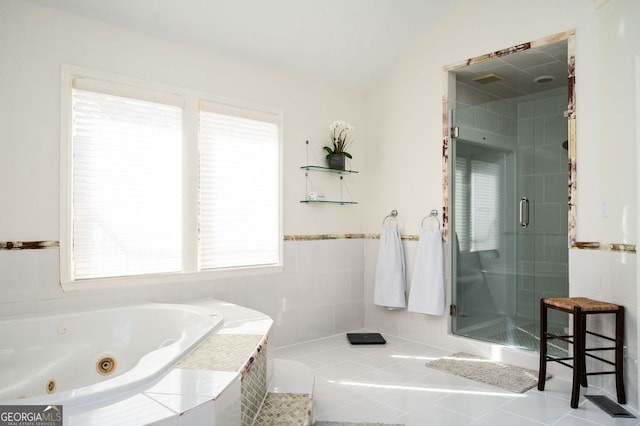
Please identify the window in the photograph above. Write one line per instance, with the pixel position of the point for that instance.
(162, 183)
(231, 234)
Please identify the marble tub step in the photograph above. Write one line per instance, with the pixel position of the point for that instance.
(285, 409)
(290, 397)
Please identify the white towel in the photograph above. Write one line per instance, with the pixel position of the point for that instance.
(390, 284)
(426, 294)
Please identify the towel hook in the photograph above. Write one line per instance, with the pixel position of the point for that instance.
(432, 215)
(393, 214)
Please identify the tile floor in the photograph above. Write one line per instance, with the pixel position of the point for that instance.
(390, 384)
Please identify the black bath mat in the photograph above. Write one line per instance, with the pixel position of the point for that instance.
(609, 406)
(366, 339)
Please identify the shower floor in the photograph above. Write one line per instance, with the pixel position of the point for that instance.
(522, 333)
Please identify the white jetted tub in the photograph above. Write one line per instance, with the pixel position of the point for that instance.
(74, 358)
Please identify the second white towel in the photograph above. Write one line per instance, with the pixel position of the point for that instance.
(427, 292)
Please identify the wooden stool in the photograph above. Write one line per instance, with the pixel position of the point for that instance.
(580, 307)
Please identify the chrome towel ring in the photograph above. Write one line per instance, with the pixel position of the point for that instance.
(433, 215)
(392, 215)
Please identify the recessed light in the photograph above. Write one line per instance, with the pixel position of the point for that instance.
(544, 79)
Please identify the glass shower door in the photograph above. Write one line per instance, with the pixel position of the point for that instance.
(483, 240)
(508, 219)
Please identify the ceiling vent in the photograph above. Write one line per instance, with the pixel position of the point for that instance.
(488, 78)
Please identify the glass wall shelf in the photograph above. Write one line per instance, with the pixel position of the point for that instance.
(343, 187)
(328, 202)
(327, 169)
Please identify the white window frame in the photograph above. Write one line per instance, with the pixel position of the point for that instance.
(191, 100)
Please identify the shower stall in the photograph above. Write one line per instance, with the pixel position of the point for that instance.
(508, 174)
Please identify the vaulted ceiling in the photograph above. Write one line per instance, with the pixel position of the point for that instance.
(349, 43)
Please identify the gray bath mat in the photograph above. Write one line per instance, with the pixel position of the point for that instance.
(508, 377)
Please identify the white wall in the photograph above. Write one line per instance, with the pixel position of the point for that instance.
(308, 299)
(404, 127)
(37, 40)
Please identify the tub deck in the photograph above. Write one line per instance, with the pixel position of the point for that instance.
(223, 380)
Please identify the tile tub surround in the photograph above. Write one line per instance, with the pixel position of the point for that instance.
(317, 293)
(285, 409)
(193, 391)
(236, 352)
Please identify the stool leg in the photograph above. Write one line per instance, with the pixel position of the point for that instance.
(542, 368)
(583, 364)
(622, 399)
(578, 355)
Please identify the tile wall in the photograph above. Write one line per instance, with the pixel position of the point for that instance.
(542, 246)
(318, 293)
(611, 276)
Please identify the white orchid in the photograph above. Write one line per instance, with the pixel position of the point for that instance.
(340, 138)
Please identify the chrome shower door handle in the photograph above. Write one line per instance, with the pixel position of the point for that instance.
(524, 212)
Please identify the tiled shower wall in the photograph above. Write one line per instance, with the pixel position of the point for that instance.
(542, 177)
(318, 293)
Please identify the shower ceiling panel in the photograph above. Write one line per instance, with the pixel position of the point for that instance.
(519, 71)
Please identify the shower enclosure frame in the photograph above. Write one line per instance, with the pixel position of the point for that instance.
(449, 104)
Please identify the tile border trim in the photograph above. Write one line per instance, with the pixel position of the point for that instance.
(591, 245)
(28, 245)
(580, 245)
(314, 237)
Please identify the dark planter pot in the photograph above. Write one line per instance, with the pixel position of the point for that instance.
(336, 161)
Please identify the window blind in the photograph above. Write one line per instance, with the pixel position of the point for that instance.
(462, 220)
(126, 185)
(484, 205)
(477, 196)
(239, 218)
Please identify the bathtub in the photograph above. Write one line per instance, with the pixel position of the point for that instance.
(79, 358)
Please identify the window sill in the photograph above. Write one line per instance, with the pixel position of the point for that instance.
(165, 279)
